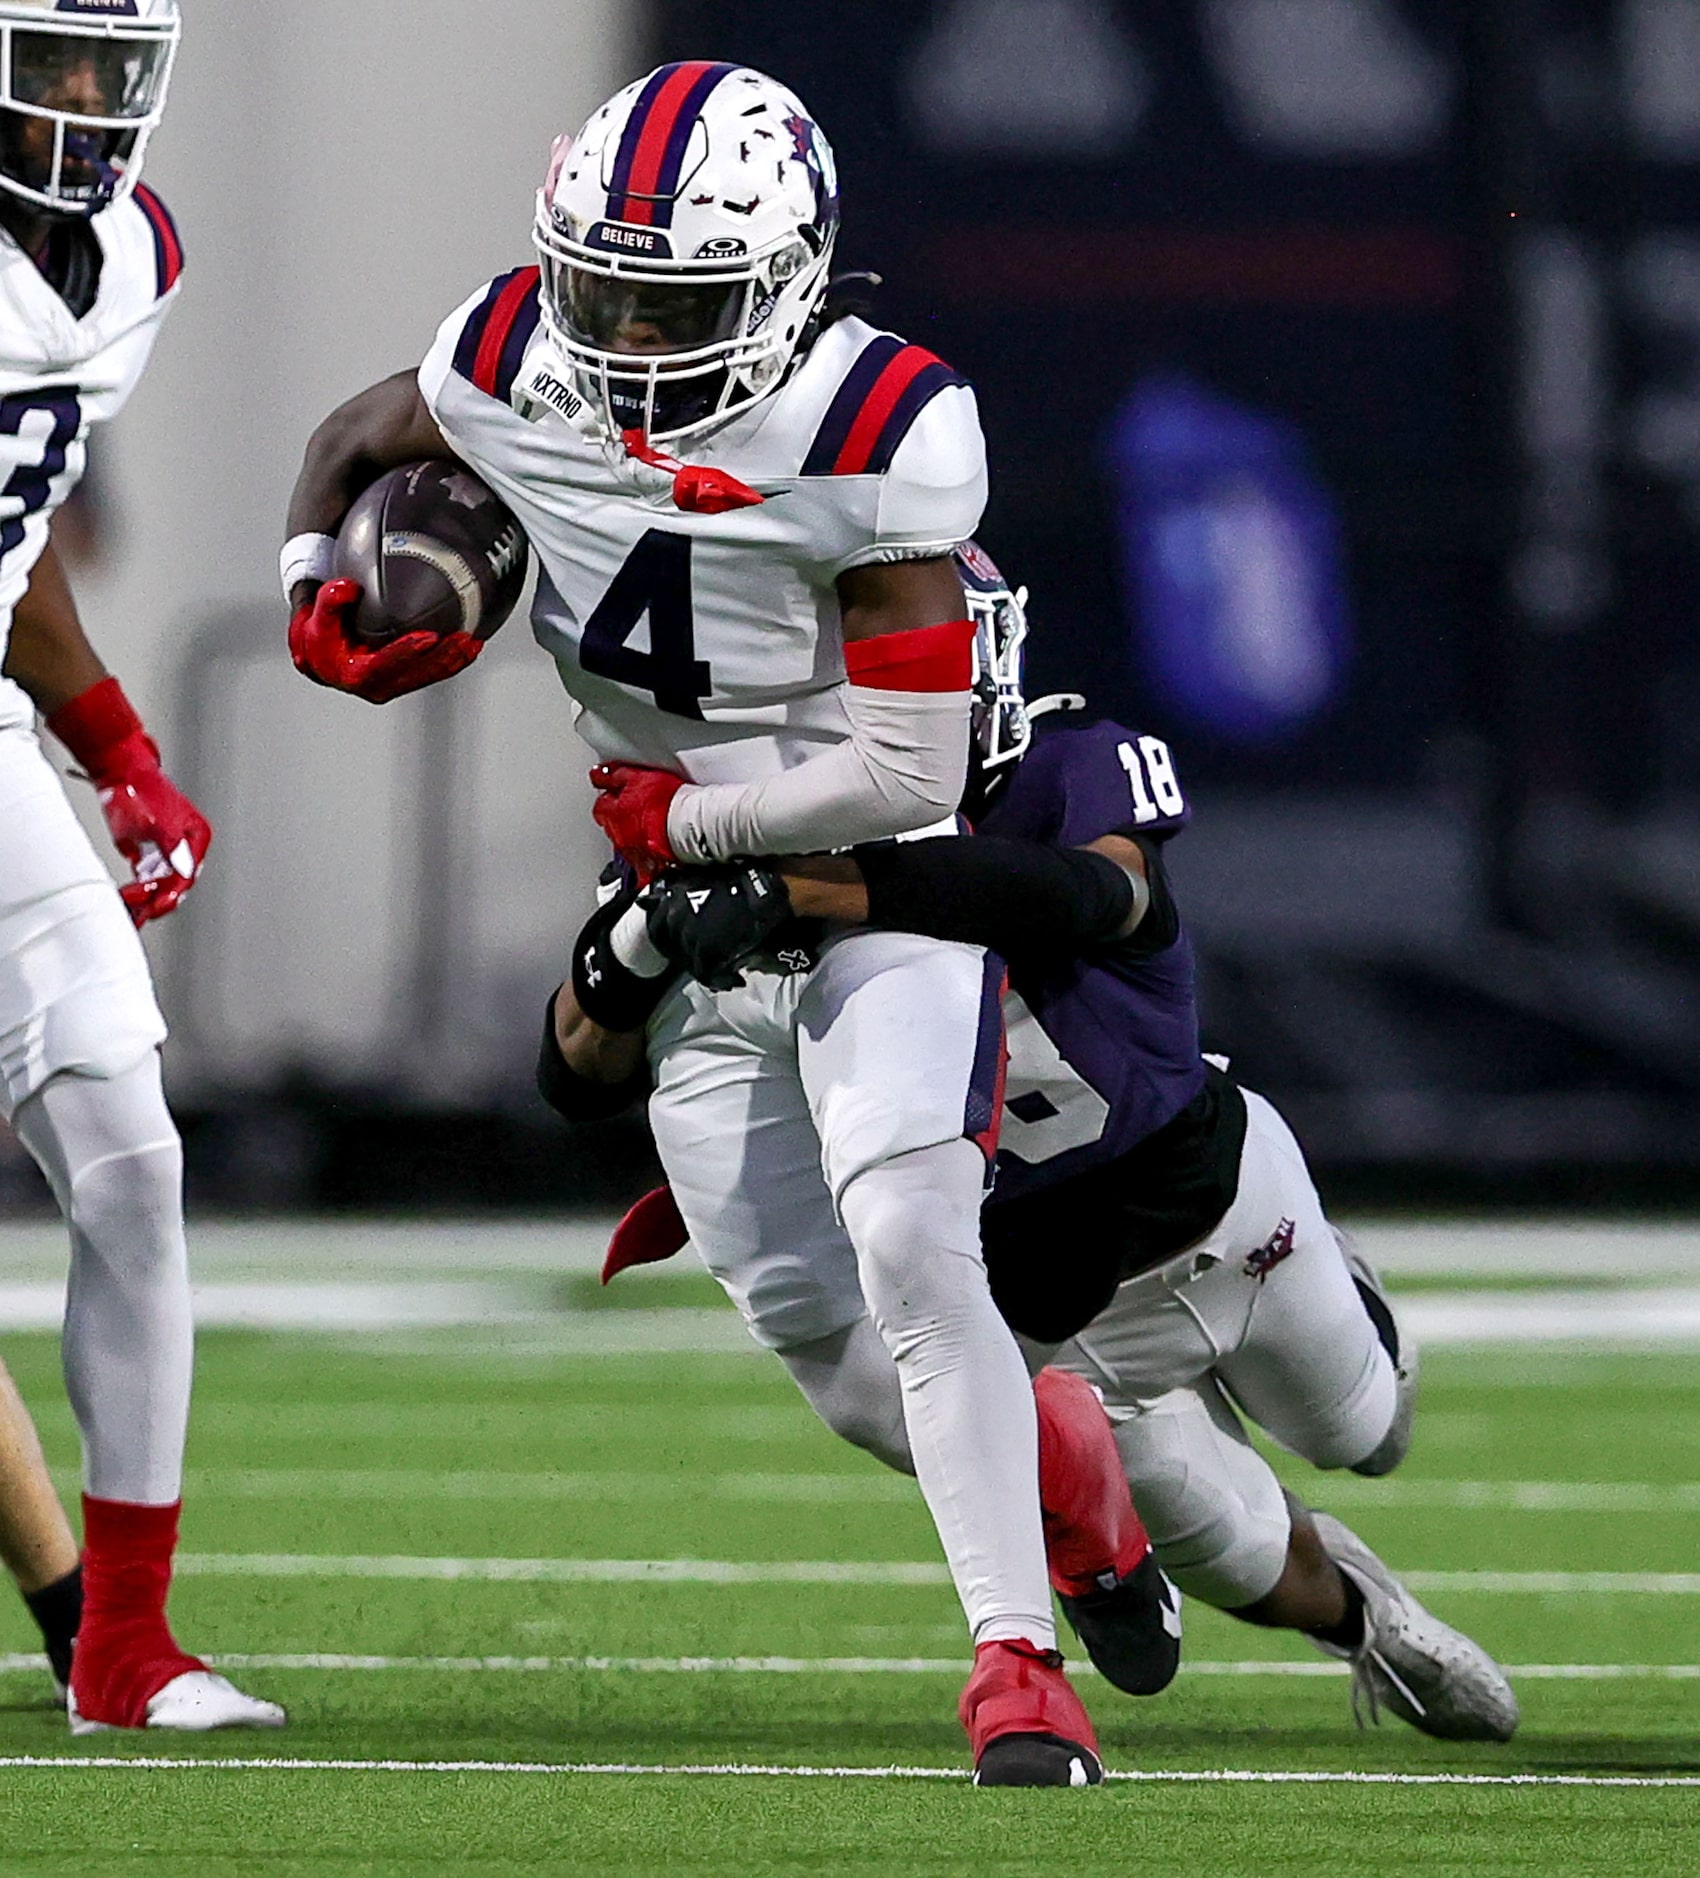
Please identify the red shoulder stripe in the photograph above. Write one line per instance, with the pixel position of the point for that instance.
(487, 365)
(858, 448)
(167, 243)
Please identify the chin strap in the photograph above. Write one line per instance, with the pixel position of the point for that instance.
(696, 490)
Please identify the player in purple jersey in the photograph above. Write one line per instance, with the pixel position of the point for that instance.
(1199, 1274)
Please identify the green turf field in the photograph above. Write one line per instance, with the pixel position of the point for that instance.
(406, 1467)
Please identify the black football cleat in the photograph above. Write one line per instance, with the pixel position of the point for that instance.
(1037, 1761)
(1132, 1629)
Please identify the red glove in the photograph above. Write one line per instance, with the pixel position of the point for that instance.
(156, 828)
(631, 810)
(325, 651)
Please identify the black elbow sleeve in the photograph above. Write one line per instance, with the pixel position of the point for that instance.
(1018, 898)
(579, 1098)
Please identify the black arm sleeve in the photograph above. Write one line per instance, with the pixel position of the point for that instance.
(580, 1098)
(1017, 898)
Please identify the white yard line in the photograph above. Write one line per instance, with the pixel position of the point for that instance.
(520, 1320)
(1667, 1315)
(688, 1571)
(1235, 1776)
(20, 1662)
(377, 1484)
(562, 1571)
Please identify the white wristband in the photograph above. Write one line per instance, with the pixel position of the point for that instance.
(633, 946)
(305, 557)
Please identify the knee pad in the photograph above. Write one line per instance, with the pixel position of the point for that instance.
(112, 1156)
(131, 1201)
(1216, 1514)
(915, 1225)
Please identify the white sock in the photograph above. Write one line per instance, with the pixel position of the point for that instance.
(967, 1402)
(112, 1156)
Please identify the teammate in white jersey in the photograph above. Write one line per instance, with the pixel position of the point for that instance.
(768, 649)
(89, 262)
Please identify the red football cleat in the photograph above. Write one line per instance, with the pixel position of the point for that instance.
(1093, 1536)
(1120, 1605)
(1025, 1724)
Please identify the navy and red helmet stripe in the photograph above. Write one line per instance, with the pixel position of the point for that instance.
(882, 395)
(167, 243)
(492, 343)
(651, 156)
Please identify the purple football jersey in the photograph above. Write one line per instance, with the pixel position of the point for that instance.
(1102, 1050)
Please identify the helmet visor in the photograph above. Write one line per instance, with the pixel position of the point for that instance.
(646, 318)
(85, 77)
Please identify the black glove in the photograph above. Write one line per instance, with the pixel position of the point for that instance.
(607, 992)
(714, 920)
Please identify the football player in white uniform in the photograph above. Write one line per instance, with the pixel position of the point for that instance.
(1155, 1229)
(769, 651)
(89, 262)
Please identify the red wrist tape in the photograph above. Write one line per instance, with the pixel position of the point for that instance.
(926, 658)
(95, 722)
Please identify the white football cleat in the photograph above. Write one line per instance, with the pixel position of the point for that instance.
(1424, 1671)
(194, 1703)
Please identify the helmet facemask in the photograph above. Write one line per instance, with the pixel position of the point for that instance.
(79, 98)
(673, 350)
(1000, 728)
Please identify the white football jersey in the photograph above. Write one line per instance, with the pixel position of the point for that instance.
(710, 644)
(60, 374)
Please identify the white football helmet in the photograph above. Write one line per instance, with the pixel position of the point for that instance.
(1000, 726)
(685, 236)
(1000, 717)
(82, 86)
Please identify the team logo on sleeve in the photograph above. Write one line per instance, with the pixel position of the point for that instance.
(1278, 1246)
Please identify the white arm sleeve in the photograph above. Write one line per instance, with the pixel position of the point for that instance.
(906, 759)
(903, 767)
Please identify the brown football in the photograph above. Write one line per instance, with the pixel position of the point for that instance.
(434, 550)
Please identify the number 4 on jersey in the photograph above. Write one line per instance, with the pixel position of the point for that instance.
(656, 580)
(1151, 776)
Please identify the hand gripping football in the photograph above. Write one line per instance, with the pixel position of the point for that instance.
(435, 551)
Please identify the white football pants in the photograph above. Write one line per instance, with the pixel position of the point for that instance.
(1262, 1314)
(80, 1082)
(1294, 1346)
(813, 1130)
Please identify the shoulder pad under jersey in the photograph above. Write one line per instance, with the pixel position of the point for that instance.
(492, 331)
(167, 243)
(903, 415)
